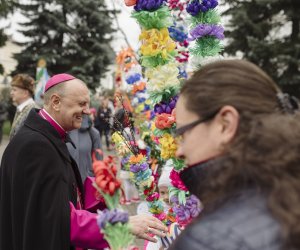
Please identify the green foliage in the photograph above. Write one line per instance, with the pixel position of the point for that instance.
(267, 32)
(73, 37)
(6, 127)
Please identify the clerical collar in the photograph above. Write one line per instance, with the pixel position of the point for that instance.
(44, 114)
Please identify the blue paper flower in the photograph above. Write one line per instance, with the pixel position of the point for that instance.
(148, 5)
(195, 6)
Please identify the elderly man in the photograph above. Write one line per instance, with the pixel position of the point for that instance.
(40, 185)
(22, 91)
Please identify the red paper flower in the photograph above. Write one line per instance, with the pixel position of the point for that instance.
(106, 175)
(164, 120)
(176, 181)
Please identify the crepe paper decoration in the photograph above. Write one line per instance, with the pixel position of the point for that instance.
(168, 146)
(162, 77)
(166, 106)
(148, 5)
(114, 225)
(194, 7)
(158, 19)
(157, 47)
(202, 30)
(141, 86)
(209, 17)
(163, 94)
(130, 2)
(133, 78)
(164, 121)
(176, 181)
(177, 34)
(187, 212)
(206, 46)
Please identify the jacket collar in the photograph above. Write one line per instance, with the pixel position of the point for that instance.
(37, 123)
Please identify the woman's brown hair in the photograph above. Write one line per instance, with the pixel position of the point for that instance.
(265, 152)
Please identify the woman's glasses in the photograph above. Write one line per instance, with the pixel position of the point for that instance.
(180, 131)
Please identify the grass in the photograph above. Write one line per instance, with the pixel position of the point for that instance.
(6, 128)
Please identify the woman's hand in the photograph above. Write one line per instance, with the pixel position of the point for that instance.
(143, 225)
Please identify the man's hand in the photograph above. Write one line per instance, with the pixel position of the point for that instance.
(143, 225)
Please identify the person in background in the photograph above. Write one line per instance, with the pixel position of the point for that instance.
(41, 192)
(240, 138)
(22, 91)
(163, 185)
(86, 140)
(102, 121)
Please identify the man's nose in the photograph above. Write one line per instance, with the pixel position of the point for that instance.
(86, 110)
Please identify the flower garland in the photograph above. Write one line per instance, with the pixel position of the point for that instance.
(205, 28)
(113, 222)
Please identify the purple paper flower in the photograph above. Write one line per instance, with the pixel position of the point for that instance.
(164, 107)
(148, 4)
(195, 6)
(185, 213)
(202, 30)
(111, 216)
(138, 167)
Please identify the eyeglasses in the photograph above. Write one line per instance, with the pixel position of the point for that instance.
(180, 131)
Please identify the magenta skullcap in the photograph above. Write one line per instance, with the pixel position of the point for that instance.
(57, 79)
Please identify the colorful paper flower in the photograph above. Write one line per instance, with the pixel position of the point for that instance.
(202, 30)
(164, 121)
(111, 216)
(162, 77)
(168, 146)
(156, 42)
(195, 6)
(176, 181)
(148, 4)
(185, 213)
(106, 176)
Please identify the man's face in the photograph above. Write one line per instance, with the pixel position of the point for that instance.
(18, 95)
(73, 105)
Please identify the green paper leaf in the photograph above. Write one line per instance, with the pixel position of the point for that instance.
(206, 46)
(158, 19)
(211, 17)
(118, 235)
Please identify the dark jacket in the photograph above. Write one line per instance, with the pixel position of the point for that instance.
(243, 223)
(37, 180)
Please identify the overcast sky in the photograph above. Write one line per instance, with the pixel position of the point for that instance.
(127, 24)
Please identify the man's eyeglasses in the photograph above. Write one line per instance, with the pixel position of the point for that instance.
(180, 131)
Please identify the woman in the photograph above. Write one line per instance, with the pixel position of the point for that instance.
(240, 138)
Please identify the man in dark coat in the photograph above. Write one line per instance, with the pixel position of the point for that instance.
(40, 185)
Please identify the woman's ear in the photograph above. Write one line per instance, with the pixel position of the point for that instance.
(55, 101)
(228, 119)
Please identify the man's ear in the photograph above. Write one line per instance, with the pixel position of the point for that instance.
(228, 120)
(55, 101)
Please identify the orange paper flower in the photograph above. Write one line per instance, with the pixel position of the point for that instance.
(164, 121)
(136, 159)
(130, 2)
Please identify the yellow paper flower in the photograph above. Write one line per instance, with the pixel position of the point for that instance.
(155, 42)
(117, 138)
(168, 146)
